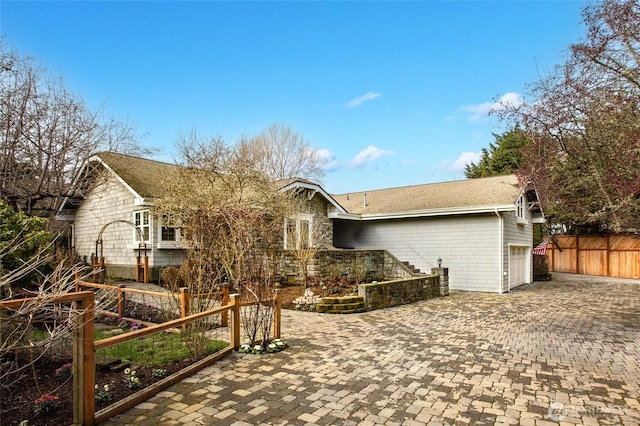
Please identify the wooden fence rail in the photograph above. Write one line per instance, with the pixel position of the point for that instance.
(184, 297)
(83, 350)
(85, 347)
(605, 255)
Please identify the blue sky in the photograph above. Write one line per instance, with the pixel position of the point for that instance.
(392, 93)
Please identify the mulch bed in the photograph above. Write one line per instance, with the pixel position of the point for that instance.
(17, 401)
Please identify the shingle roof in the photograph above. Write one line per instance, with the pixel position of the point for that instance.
(491, 191)
(142, 175)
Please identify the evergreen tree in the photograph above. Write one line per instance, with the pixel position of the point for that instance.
(502, 158)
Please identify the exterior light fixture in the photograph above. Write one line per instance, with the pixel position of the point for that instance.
(439, 262)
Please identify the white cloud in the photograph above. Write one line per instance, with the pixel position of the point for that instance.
(368, 155)
(362, 99)
(327, 159)
(458, 165)
(478, 112)
(464, 159)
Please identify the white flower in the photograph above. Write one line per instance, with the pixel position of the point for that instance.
(106, 388)
(127, 371)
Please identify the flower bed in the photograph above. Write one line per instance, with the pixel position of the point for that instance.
(21, 399)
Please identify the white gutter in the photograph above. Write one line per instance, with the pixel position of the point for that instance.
(446, 211)
(500, 249)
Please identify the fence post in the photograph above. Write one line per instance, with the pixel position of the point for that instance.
(184, 302)
(235, 321)
(103, 271)
(122, 301)
(277, 317)
(84, 368)
(146, 269)
(224, 318)
(76, 278)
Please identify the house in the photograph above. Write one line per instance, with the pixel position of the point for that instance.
(481, 229)
(111, 215)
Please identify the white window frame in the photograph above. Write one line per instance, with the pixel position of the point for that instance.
(139, 221)
(521, 211)
(298, 227)
(169, 244)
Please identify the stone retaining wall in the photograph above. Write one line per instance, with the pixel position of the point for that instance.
(379, 295)
(368, 265)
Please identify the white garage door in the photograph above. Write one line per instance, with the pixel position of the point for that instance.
(518, 271)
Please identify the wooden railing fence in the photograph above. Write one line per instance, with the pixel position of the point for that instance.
(606, 255)
(184, 298)
(83, 350)
(85, 347)
(234, 339)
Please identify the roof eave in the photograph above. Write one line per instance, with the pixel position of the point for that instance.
(446, 211)
(139, 198)
(318, 188)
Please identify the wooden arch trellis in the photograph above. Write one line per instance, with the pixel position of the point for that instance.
(142, 259)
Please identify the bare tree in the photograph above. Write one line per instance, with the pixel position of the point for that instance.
(231, 217)
(282, 153)
(306, 231)
(584, 125)
(31, 250)
(46, 133)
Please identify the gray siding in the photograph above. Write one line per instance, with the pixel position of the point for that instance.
(109, 202)
(468, 245)
(519, 235)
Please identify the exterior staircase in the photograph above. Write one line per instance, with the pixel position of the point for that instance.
(341, 305)
(412, 268)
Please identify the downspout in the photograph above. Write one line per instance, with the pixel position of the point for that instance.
(500, 254)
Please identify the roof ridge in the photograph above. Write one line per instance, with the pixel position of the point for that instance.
(425, 184)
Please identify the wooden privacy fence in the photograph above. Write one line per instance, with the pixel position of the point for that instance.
(603, 255)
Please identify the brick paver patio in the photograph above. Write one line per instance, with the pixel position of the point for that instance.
(565, 351)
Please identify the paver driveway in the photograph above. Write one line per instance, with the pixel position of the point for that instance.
(564, 351)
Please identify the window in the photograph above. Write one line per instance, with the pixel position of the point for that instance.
(142, 220)
(520, 210)
(290, 234)
(304, 234)
(297, 232)
(168, 234)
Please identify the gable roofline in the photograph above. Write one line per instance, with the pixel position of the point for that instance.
(136, 176)
(97, 158)
(294, 183)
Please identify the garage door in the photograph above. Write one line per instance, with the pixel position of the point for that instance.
(518, 261)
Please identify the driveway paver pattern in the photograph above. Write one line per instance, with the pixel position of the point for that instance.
(560, 352)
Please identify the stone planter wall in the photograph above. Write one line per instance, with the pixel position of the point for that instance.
(378, 265)
(392, 293)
